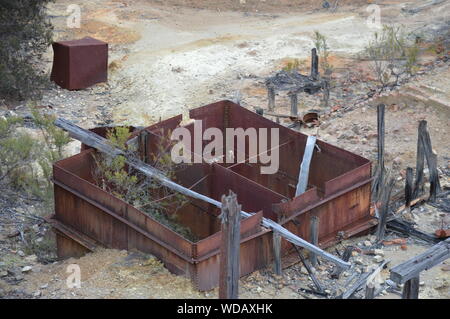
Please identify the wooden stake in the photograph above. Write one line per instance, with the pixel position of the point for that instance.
(408, 188)
(411, 289)
(346, 257)
(229, 250)
(277, 253)
(379, 174)
(420, 159)
(271, 98)
(294, 104)
(384, 209)
(314, 231)
(435, 186)
(314, 64)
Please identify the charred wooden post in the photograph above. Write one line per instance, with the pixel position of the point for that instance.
(320, 288)
(408, 188)
(294, 104)
(420, 161)
(143, 143)
(370, 291)
(431, 157)
(277, 253)
(314, 231)
(314, 64)
(229, 250)
(411, 289)
(379, 174)
(384, 208)
(408, 273)
(271, 97)
(345, 256)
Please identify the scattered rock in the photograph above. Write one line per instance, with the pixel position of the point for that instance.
(379, 252)
(378, 258)
(367, 243)
(3, 274)
(26, 268)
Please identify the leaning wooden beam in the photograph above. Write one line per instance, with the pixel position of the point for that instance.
(420, 161)
(320, 288)
(426, 260)
(431, 157)
(229, 250)
(304, 167)
(345, 257)
(93, 140)
(314, 232)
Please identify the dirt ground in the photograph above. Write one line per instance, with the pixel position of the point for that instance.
(166, 57)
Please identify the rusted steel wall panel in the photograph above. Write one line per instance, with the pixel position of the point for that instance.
(66, 247)
(252, 196)
(249, 227)
(335, 215)
(255, 253)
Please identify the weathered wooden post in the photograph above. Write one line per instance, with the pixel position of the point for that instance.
(314, 64)
(345, 256)
(411, 289)
(294, 103)
(386, 189)
(271, 97)
(420, 159)
(229, 250)
(143, 144)
(314, 232)
(431, 157)
(277, 253)
(379, 174)
(408, 188)
(408, 272)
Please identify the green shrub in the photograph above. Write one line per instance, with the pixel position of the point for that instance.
(114, 176)
(392, 55)
(25, 34)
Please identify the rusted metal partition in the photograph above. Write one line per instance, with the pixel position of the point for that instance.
(339, 181)
(338, 193)
(87, 216)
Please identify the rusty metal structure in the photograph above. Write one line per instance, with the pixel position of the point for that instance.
(338, 194)
(78, 64)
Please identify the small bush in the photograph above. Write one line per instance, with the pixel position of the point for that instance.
(114, 176)
(25, 34)
(392, 55)
(26, 162)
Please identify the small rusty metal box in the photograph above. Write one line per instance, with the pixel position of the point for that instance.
(78, 64)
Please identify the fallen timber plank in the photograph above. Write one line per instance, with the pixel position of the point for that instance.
(304, 167)
(426, 260)
(96, 141)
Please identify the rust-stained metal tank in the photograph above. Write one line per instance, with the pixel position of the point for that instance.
(78, 64)
(338, 193)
